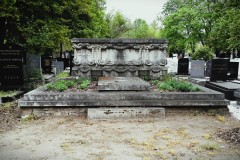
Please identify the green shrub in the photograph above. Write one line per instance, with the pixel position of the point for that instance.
(35, 74)
(84, 84)
(62, 75)
(60, 87)
(178, 86)
(203, 52)
(69, 83)
(50, 86)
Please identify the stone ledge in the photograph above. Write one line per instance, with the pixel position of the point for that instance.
(112, 113)
(114, 41)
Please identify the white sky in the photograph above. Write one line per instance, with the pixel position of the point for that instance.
(133, 9)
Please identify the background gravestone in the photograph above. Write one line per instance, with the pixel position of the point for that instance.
(233, 70)
(59, 66)
(219, 69)
(11, 65)
(183, 65)
(197, 69)
(34, 61)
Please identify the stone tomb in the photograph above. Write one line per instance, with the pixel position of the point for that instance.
(11, 66)
(228, 88)
(122, 84)
(197, 69)
(120, 57)
(183, 65)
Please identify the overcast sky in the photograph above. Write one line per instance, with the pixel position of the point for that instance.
(133, 9)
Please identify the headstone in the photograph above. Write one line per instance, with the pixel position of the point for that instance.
(59, 66)
(233, 70)
(11, 65)
(34, 61)
(46, 64)
(66, 61)
(219, 69)
(197, 69)
(183, 64)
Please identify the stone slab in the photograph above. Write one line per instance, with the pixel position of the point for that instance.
(227, 88)
(227, 85)
(39, 98)
(113, 113)
(122, 84)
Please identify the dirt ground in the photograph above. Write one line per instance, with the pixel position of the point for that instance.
(181, 136)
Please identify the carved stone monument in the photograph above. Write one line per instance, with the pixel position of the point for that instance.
(120, 57)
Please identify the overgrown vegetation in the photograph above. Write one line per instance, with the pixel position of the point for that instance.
(171, 84)
(62, 75)
(35, 74)
(8, 93)
(62, 85)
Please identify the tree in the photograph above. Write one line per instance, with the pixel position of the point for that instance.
(205, 22)
(118, 24)
(40, 24)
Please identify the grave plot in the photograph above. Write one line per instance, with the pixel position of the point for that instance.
(41, 102)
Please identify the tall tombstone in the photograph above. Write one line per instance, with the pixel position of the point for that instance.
(11, 66)
(197, 69)
(183, 65)
(233, 70)
(219, 69)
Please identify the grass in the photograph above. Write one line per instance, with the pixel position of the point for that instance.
(171, 84)
(62, 85)
(8, 93)
(8, 105)
(210, 147)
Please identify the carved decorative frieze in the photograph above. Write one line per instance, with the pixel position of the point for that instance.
(120, 55)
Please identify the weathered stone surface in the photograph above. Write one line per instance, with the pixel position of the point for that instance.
(227, 88)
(197, 69)
(112, 113)
(40, 99)
(50, 111)
(122, 84)
(237, 95)
(120, 57)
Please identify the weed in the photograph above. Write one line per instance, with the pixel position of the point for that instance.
(62, 75)
(220, 118)
(207, 136)
(8, 93)
(210, 147)
(8, 105)
(177, 85)
(172, 152)
(28, 118)
(84, 84)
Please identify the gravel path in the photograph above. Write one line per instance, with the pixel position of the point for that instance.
(174, 137)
